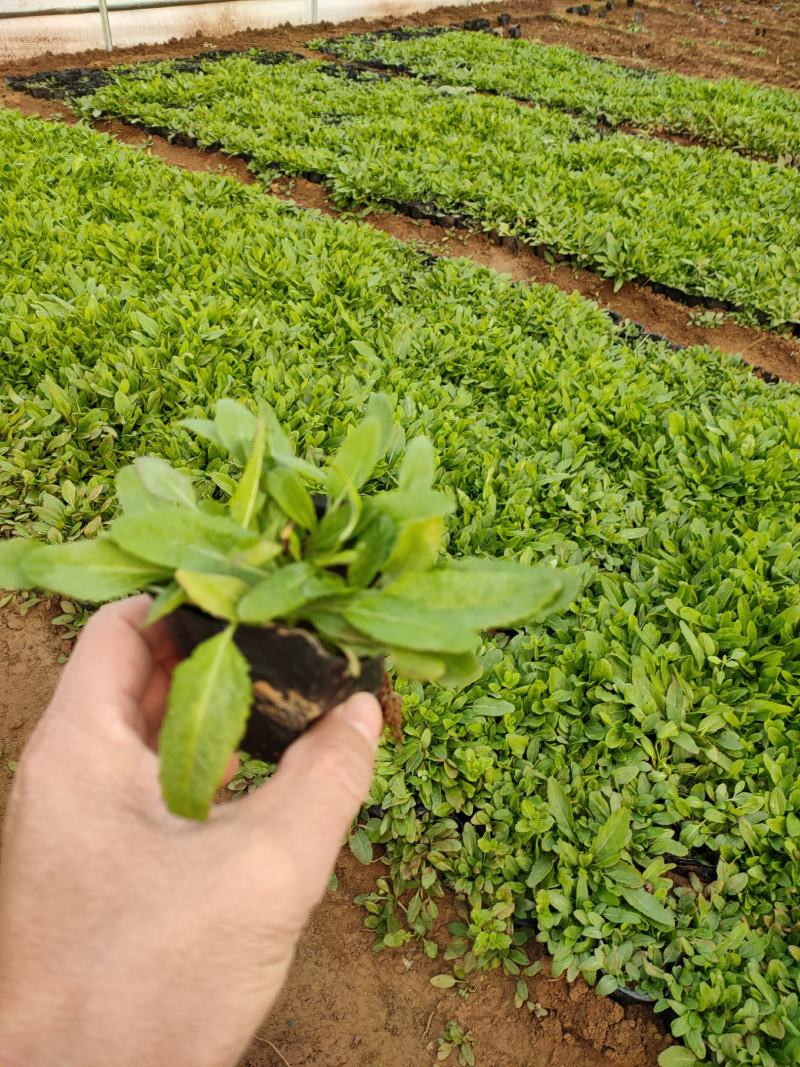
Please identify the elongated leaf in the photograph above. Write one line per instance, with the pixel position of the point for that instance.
(242, 505)
(647, 904)
(132, 493)
(167, 600)
(94, 571)
(483, 593)
(12, 555)
(288, 491)
(375, 542)
(206, 428)
(165, 483)
(236, 426)
(677, 1056)
(281, 451)
(407, 625)
(217, 594)
(612, 837)
(191, 540)
(560, 808)
(206, 715)
(285, 591)
(336, 526)
(410, 505)
(418, 466)
(329, 623)
(360, 846)
(417, 546)
(357, 456)
(381, 407)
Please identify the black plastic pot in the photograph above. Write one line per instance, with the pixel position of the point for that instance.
(504, 19)
(295, 679)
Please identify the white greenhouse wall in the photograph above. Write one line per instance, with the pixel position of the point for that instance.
(23, 37)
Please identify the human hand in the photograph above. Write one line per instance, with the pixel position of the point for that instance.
(129, 936)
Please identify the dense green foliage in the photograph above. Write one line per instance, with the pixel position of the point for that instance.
(730, 112)
(657, 717)
(365, 574)
(704, 221)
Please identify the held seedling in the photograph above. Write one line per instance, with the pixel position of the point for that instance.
(284, 600)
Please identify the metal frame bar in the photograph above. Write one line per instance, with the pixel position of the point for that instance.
(101, 6)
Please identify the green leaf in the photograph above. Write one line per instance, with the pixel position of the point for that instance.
(677, 1056)
(381, 407)
(292, 497)
(560, 808)
(236, 427)
(612, 837)
(607, 985)
(357, 456)
(375, 542)
(167, 600)
(208, 705)
(418, 466)
(285, 591)
(242, 505)
(190, 540)
(12, 555)
(360, 846)
(647, 904)
(132, 494)
(93, 571)
(216, 594)
(483, 593)
(443, 981)
(416, 546)
(206, 428)
(162, 481)
(408, 625)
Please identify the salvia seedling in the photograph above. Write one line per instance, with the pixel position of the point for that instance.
(286, 595)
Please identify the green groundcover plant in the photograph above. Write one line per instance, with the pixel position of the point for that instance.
(663, 705)
(365, 575)
(738, 114)
(704, 221)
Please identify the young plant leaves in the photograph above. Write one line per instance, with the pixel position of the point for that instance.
(206, 715)
(647, 904)
(418, 466)
(12, 555)
(216, 594)
(177, 538)
(162, 481)
(92, 571)
(285, 591)
(612, 837)
(407, 624)
(288, 491)
(242, 505)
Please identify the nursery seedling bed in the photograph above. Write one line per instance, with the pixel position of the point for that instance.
(757, 121)
(602, 218)
(654, 718)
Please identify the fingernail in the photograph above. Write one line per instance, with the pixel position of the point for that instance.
(363, 713)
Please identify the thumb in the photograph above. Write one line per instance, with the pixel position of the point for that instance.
(321, 782)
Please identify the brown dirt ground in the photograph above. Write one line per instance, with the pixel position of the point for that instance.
(345, 1005)
(774, 353)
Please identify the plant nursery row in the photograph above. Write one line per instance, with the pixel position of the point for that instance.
(621, 784)
(704, 222)
(729, 112)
